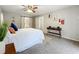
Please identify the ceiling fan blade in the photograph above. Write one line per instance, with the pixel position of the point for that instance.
(35, 8)
(30, 7)
(33, 11)
(24, 6)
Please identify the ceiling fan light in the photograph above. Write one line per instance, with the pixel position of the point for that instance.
(30, 11)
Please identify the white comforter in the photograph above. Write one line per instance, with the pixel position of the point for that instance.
(26, 38)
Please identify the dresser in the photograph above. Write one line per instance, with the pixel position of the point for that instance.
(10, 48)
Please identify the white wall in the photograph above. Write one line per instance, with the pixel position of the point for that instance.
(9, 17)
(70, 29)
(1, 16)
(70, 15)
(18, 19)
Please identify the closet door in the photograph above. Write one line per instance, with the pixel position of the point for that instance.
(27, 22)
(37, 24)
(22, 22)
(40, 23)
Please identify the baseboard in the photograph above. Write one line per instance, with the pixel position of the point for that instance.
(70, 39)
(65, 37)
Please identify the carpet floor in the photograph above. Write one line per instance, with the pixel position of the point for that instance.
(54, 45)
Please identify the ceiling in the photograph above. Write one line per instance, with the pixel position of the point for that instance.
(42, 9)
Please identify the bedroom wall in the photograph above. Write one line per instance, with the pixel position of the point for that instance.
(70, 15)
(8, 17)
(1, 16)
(18, 19)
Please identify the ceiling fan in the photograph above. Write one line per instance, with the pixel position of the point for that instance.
(30, 8)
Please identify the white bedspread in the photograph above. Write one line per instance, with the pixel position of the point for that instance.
(26, 38)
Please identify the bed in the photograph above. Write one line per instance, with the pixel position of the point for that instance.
(26, 38)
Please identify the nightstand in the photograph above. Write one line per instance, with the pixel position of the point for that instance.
(10, 49)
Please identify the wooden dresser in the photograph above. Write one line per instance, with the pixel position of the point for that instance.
(10, 49)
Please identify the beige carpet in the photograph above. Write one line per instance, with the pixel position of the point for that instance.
(54, 45)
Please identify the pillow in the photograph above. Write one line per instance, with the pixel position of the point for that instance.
(14, 26)
(12, 30)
